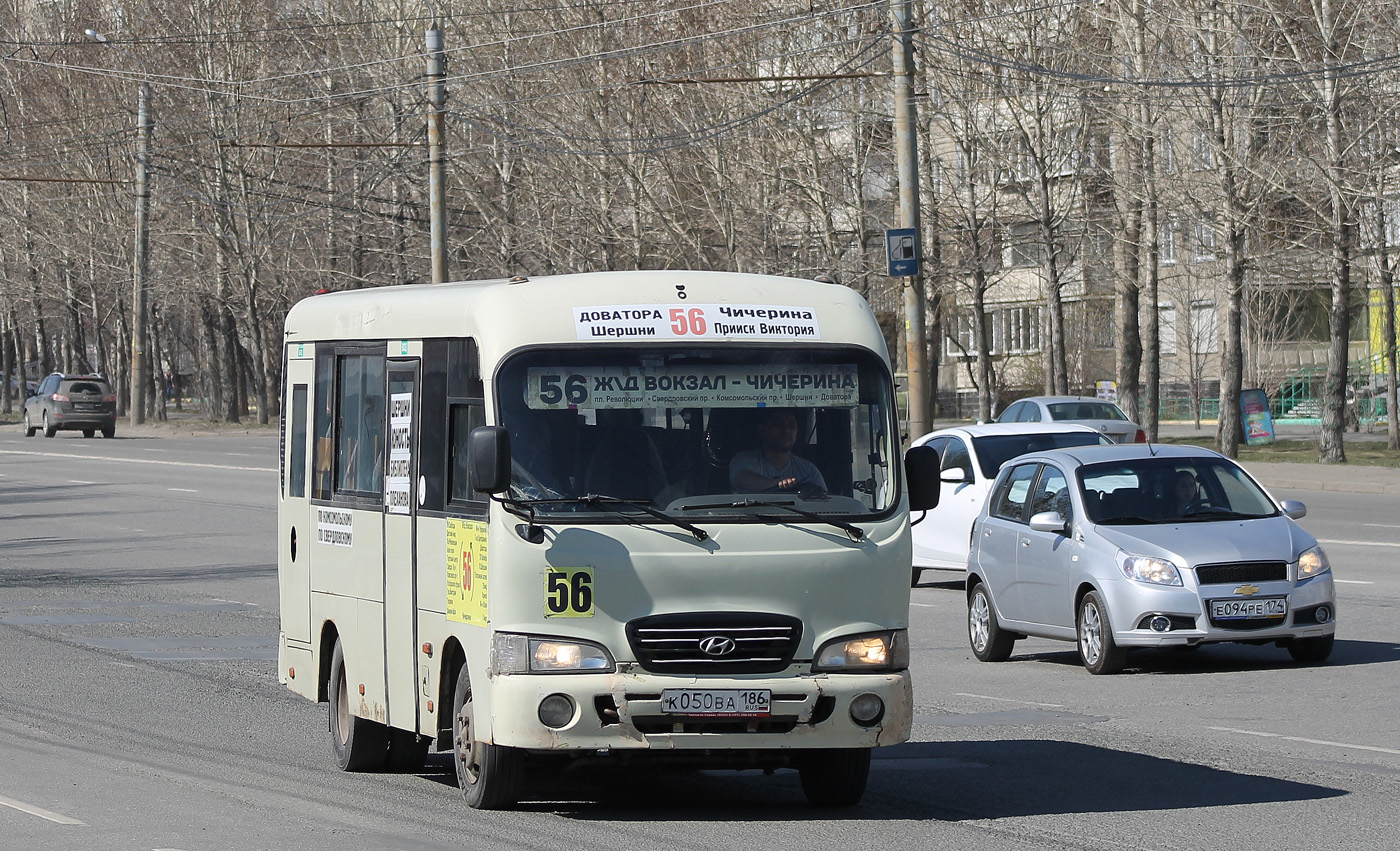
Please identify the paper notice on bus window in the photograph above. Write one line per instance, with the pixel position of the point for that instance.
(772, 385)
(397, 482)
(335, 526)
(466, 571)
(696, 322)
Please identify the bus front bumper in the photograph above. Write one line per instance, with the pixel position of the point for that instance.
(626, 711)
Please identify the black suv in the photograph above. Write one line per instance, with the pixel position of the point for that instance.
(83, 403)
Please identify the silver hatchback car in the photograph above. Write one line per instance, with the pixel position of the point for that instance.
(1116, 547)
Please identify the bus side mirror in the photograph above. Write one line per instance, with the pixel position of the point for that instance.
(488, 459)
(921, 470)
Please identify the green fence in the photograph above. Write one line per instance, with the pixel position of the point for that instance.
(1298, 398)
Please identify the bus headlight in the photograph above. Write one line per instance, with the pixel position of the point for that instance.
(529, 654)
(1312, 562)
(869, 653)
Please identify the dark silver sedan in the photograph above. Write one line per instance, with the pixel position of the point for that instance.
(1116, 547)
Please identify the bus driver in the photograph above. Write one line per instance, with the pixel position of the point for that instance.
(773, 467)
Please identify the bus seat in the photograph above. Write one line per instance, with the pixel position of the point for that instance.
(626, 464)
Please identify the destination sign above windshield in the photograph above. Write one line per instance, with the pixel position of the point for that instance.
(825, 385)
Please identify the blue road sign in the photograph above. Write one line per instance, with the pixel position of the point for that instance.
(902, 252)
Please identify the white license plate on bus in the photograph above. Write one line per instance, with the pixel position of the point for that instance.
(724, 702)
(1237, 610)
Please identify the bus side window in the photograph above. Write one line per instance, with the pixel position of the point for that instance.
(323, 450)
(296, 472)
(361, 428)
(464, 418)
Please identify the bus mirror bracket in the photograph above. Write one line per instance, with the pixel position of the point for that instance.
(488, 459)
(921, 470)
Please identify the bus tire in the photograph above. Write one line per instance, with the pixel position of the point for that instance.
(359, 744)
(490, 776)
(408, 751)
(835, 777)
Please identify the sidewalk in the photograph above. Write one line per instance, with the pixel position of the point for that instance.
(1326, 477)
(1351, 478)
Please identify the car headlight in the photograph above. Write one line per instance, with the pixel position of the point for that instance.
(1153, 571)
(1312, 562)
(529, 654)
(872, 652)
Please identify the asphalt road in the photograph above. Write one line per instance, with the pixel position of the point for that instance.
(139, 705)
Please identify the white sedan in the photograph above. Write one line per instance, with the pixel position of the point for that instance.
(1098, 414)
(970, 457)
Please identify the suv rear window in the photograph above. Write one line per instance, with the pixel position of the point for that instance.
(87, 387)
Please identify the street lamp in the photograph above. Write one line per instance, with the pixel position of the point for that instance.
(140, 262)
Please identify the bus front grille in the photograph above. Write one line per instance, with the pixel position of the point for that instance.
(714, 642)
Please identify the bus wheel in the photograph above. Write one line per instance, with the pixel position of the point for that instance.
(490, 776)
(407, 750)
(359, 743)
(835, 777)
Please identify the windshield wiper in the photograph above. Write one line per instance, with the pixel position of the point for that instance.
(855, 533)
(603, 499)
(1126, 521)
(1209, 516)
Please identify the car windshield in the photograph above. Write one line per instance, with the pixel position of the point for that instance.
(1171, 490)
(1085, 411)
(699, 433)
(994, 451)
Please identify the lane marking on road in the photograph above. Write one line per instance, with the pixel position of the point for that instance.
(1359, 543)
(42, 813)
(1263, 735)
(924, 605)
(1009, 700)
(1352, 581)
(183, 490)
(143, 461)
(80, 482)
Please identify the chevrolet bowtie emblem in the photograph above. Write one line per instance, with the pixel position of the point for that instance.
(1247, 590)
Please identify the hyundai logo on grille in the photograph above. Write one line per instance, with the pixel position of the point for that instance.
(717, 645)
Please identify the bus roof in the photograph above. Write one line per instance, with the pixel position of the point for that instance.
(597, 307)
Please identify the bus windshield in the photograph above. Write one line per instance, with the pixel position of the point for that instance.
(746, 433)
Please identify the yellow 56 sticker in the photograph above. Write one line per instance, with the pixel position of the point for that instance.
(568, 592)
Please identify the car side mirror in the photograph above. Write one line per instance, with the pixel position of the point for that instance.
(1294, 509)
(488, 459)
(921, 471)
(955, 476)
(1049, 521)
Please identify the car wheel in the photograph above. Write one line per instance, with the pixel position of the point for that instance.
(88, 433)
(834, 777)
(29, 429)
(359, 743)
(490, 776)
(989, 642)
(1097, 649)
(49, 430)
(109, 432)
(918, 574)
(1311, 651)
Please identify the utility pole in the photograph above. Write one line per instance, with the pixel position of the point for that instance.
(437, 194)
(906, 152)
(141, 262)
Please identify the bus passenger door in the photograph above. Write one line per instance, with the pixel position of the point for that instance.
(400, 555)
(296, 527)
